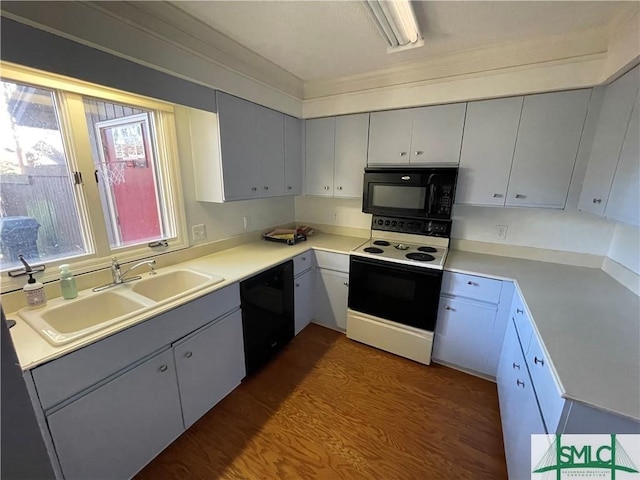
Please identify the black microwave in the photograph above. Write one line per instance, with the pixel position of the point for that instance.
(410, 192)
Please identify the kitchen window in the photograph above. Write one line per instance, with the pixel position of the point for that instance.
(86, 173)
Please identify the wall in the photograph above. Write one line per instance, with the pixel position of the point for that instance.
(625, 247)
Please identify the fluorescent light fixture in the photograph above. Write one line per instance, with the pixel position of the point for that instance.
(396, 22)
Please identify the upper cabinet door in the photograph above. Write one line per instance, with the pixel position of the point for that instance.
(320, 142)
(350, 154)
(292, 155)
(548, 138)
(437, 134)
(607, 142)
(624, 200)
(390, 137)
(270, 152)
(237, 123)
(490, 132)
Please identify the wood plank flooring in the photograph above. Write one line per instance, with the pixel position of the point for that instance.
(330, 408)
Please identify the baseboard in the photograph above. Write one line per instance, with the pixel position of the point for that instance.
(622, 275)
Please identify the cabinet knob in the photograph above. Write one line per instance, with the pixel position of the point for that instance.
(289, 187)
(597, 200)
(163, 368)
(254, 188)
(326, 187)
(188, 354)
(497, 195)
(297, 284)
(519, 383)
(519, 311)
(472, 283)
(266, 188)
(418, 152)
(402, 154)
(538, 361)
(447, 307)
(346, 284)
(339, 188)
(519, 195)
(304, 259)
(516, 366)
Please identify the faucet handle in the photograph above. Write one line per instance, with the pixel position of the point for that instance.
(114, 262)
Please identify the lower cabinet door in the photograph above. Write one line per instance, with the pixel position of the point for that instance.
(519, 410)
(118, 428)
(210, 365)
(303, 300)
(330, 302)
(464, 333)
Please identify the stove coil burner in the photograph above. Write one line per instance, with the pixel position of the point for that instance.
(427, 249)
(420, 257)
(401, 246)
(373, 250)
(381, 243)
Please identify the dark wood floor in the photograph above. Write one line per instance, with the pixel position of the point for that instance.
(330, 408)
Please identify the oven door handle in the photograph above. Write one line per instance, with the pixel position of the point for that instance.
(388, 265)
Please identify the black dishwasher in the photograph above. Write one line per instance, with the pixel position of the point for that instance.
(267, 314)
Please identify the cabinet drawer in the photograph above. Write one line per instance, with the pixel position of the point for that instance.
(520, 317)
(471, 286)
(332, 261)
(66, 376)
(302, 262)
(551, 403)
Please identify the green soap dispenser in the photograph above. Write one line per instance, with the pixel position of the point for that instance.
(67, 283)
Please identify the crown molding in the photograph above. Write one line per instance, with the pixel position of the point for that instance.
(472, 61)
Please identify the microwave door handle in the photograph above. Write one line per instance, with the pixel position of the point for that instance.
(432, 198)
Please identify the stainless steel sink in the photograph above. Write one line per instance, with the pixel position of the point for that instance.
(172, 284)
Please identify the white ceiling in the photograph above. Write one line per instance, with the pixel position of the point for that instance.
(315, 40)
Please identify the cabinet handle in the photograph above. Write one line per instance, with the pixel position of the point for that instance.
(254, 189)
(163, 368)
(402, 154)
(188, 354)
(266, 188)
(346, 284)
(418, 152)
(304, 259)
(539, 361)
(516, 366)
(448, 308)
(519, 195)
(597, 200)
(519, 383)
(274, 344)
(297, 284)
(519, 311)
(339, 188)
(472, 283)
(326, 187)
(289, 187)
(497, 195)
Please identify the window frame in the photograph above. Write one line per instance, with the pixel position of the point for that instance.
(69, 98)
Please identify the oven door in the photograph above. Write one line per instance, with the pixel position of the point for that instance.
(401, 293)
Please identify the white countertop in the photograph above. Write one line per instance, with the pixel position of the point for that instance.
(588, 323)
(234, 264)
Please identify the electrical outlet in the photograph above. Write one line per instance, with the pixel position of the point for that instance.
(335, 215)
(501, 231)
(246, 222)
(198, 232)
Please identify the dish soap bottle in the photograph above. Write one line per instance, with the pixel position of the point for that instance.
(67, 283)
(34, 292)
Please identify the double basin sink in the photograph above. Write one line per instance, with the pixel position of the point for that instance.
(64, 321)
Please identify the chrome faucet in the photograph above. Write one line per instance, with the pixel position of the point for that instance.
(119, 277)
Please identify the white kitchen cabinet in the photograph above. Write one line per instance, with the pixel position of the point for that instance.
(351, 137)
(472, 316)
(613, 122)
(624, 200)
(116, 429)
(490, 131)
(319, 158)
(238, 147)
(518, 407)
(210, 364)
(269, 159)
(463, 333)
(437, 134)
(390, 137)
(303, 300)
(546, 148)
(332, 292)
(293, 151)
(425, 135)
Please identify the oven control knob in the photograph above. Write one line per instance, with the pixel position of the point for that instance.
(380, 222)
(401, 224)
(387, 222)
(394, 223)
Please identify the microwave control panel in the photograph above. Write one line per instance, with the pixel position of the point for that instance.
(417, 226)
